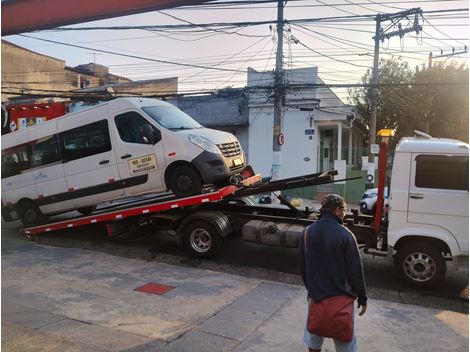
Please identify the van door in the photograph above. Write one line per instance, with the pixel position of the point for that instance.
(141, 161)
(439, 194)
(48, 171)
(88, 159)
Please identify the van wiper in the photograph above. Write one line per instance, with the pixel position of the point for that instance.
(182, 128)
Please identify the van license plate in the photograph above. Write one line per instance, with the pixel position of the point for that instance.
(237, 162)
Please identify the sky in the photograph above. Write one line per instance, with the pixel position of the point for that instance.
(342, 49)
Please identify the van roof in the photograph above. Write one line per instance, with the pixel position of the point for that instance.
(137, 101)
(432, 145)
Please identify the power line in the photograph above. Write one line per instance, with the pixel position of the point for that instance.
(131, 56)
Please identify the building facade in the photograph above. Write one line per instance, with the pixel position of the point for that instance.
(321, 133)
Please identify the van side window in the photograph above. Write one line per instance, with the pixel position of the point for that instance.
(85, 140)
(15, 160)
(45, 151)
(129, 126)
(442, 172)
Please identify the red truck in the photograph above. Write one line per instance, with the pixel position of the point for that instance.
(21, 114)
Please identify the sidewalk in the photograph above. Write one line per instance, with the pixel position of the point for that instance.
(64, 299)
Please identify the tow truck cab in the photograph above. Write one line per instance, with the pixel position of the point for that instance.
(428, 216)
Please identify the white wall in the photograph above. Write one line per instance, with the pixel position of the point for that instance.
(296, 149)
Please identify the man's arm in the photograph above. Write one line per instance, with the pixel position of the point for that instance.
(302, 263)
(355, 271)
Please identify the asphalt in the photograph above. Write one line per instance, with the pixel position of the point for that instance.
(68, 299)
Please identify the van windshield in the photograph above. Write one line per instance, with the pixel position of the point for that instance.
(171, 118)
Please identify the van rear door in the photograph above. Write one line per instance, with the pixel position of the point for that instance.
(89, 162)
(439, 194)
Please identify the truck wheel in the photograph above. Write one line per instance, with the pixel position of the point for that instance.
(201, 239)
(30, 214)
(185, 181)
(420, 264)
(87, 210)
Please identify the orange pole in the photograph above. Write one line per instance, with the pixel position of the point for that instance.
(380, 194)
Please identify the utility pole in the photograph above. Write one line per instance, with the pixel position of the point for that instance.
(278, 95)
(380, 35)
(374, 91)
(428, 114)
(431, 91)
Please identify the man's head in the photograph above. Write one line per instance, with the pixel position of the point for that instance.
(334, 204)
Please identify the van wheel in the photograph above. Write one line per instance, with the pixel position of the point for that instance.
(420, 264)
(30, 214)
(87, 210)
(185, 181)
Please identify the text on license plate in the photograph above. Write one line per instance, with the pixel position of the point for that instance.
(237, 162)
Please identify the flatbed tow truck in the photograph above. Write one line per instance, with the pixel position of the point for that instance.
(202, 222)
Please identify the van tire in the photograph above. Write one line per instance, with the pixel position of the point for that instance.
(420, 264)
(87, 210)
(185, 181)
(30, 214)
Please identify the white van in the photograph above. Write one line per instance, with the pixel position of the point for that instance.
(428, 218)
(121, 148)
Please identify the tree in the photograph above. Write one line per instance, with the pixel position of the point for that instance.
(434, 100)
(444, 100)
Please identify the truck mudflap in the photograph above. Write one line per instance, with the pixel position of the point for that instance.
(460, 263)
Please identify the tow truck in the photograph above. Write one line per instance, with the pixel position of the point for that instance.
(202, 222)
(419, 241)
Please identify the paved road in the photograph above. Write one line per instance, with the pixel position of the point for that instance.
(67, 299)
(263, 262)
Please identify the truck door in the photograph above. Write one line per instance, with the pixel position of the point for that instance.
(140, 161)
(439, 194)
(89, 162)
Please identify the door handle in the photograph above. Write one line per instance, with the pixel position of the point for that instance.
(416, 196)
(125, 156)
(103, 162)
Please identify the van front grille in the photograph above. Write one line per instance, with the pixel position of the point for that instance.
(230, 149)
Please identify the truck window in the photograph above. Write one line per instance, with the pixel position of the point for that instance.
(129, 126)
(15, 160)
(442, 172)
(45, 151)
(85, 141)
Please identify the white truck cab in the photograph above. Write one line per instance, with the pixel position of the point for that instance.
(428, 216)
(121, 148)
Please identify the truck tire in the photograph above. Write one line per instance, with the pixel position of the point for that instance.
(30, 214)
(420, 264)
(185, 181)
(202, 234)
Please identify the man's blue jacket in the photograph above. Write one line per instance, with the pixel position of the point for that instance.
(333, 266)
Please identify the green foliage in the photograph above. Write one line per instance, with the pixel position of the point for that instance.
(435, 101)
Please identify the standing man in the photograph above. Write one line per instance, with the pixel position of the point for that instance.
(333, 266)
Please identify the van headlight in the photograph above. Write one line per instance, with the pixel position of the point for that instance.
(204, 143)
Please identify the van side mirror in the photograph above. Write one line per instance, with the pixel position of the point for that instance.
(150, 135)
